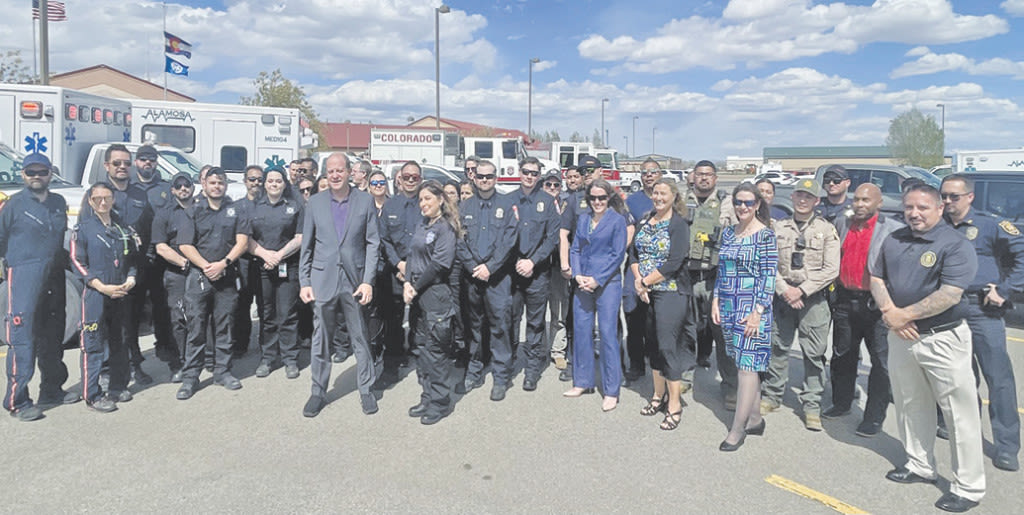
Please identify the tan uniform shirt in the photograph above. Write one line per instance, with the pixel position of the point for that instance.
(821, 250)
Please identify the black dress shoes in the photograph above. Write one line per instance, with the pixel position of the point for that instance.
(418, 410)
(565, 375)
(313, 406)
(432, 418)
(185, 392)
(757, 430)
(834, 412)
(902, 475)
(229, 381)
(868, 429)
(725, 446)
(368, 402)
(1006, 461)
(954, 503)
(498, 391)
(529, 384)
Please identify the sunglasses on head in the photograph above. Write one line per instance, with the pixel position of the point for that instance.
(120, 162)
(746, 203)
(598, 198)
(953, 197)
(378, 182)
(526, 171)
(37, 172)
(485, 176)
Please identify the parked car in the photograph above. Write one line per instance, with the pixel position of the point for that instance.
(428, 171)
(1000, 193)
(888, 178)
(778, 178)
(941, 170)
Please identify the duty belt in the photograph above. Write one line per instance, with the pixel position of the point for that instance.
(703, 275)
(944, 327)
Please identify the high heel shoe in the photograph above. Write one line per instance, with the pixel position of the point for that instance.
(725, 446)
(609, 403)
(757, 430)
(577, 392)
(655, 406)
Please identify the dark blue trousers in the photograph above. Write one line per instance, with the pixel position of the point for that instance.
(103, 325)
(603, 304)
(988, 337)
(34, 328)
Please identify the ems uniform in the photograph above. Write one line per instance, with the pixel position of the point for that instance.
(151, 270)
(432, 253)
(249, 280)
(1000, 251)
(273, 226)
(490, 228)
(31, 241)
(537, 238)
(165, 230)
(398, 221)
(212, 232)
(808, 260)
(132, 207)
(935, 368)
(109, 254)
(707, 218)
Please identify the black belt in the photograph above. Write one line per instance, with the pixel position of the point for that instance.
(944, 327)
(703, 275)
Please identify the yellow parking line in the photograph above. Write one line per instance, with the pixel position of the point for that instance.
(814, 495)
(1011, 338)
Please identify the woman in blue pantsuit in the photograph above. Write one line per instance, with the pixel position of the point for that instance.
(595, 259)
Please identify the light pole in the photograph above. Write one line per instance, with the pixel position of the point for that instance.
(438, 11)
(635, 118)
(626, 146)
(652, 138)
(603, 134)
(529, 101)
(943, 107)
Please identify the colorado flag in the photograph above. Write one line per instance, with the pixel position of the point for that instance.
(176, 46)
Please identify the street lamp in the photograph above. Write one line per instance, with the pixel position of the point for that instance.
(635, 118)
(943, 107)
(626, 146)
(652, 138)
(529, 101)
(438, 11)
(603, 134)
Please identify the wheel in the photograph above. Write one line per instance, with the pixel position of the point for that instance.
(635, 186)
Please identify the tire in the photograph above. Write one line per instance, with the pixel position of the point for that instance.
(635, 186)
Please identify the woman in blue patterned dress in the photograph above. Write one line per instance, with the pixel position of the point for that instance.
(742, 305)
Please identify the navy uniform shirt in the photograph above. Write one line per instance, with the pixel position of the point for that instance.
(275, 224)
(1000, 250)
(106, 253)
(537, 225)
(165, 228)
(430, 264)
(398, 221)
(576, 206)
(132, 207)
(639, 204)
(212, 232)
(915, 266)
(490, 227)
(33, 231)
(830, 211)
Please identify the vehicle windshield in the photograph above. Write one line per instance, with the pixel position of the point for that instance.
(924, 175)
(181, 163)
(10, 171)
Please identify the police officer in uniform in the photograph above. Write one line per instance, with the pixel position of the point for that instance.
(174, 265)
(248, 268)
(104, 253)
(484, 251)
(131, 206)
(918, 281)
(709, 210)
(537, 236)
(1000, 250)
(398, 221)
(808, 263)
(32, 225)
(837, 201)
(214, 236)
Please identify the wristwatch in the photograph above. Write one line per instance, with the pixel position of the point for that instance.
(759, 308)
(227, 261)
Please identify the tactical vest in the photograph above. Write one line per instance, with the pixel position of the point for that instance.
(705, 230)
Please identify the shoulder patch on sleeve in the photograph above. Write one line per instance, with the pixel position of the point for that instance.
(1010, 229)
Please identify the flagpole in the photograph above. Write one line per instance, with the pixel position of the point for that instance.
(44, 42)
(35, 52)
(164, 36)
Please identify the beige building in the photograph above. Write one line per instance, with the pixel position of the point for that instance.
(110, 82)
(808, 159)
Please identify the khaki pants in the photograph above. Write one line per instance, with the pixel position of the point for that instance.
(937, 369)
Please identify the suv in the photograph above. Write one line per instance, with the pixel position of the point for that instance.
(888, 178)
(1000, 193)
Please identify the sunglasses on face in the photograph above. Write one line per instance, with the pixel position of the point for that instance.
(308, 189)
(146, 159)
(834, 181)
(587, 170)
(410, 178)
(552, 185)
(120, 162)
(525, 171)
(470, 169)
(651, 172)
(953, 197)
(181, 185)
(102, 200)
(254, 179)
(37, 173)
(378, 182)
(486, 176)
(598, 198)
(301, 170)
(745, 203)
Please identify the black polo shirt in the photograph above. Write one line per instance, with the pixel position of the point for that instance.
(275, 224)
(212, 232)
(915, 266)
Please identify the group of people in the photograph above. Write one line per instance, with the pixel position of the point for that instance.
(342, 260)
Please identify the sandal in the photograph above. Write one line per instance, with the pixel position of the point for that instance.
(655, 406)
(672, 421)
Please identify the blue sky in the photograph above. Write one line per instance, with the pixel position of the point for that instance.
(711, 78)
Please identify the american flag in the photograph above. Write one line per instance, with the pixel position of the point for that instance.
(54, 11)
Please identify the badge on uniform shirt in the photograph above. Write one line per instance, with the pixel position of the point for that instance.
(583, 203)
(499, 213)
(928, 259)
(1009, 228)
(713, 204)
(848, 213)
(540, 207)
(163, 194)
(231, 212)
(971, 232)
(289, 210)
(431, 237)
(467, 217)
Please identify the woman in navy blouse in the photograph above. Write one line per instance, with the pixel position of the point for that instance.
(596, 259)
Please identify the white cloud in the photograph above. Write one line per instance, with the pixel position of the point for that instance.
(1014, 7)
(754, 32)
(917, 51)
(934, 63)
(544, 65)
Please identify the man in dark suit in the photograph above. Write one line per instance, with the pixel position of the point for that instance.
(336, 270)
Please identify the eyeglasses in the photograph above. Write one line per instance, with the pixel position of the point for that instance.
(650, 172)
(586, 170)
(378, 182)
(953, 197)
(747, 203)
(552, 185)
(146, 159)
(181, 185)
(526, 171)
(308, 189)
(470, 169)
(834, 181)
(102, 200)
(37, 173)
(302, 170)
(410, 178)
(486, 176)
(254, 179)
(598, 198)
(120, 162)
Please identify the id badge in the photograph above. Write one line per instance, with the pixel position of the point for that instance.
(238, 283)
(282, 270)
